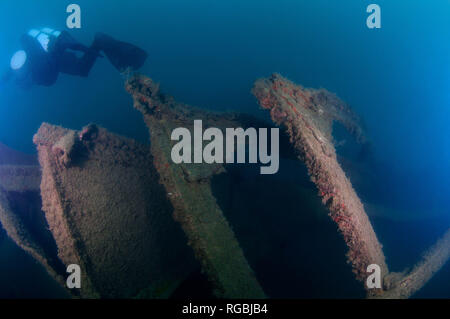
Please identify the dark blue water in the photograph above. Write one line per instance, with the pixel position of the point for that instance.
(209, 53)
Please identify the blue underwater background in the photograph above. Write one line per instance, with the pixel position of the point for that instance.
(209, 53)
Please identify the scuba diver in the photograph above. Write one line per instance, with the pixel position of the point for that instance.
(46, 53)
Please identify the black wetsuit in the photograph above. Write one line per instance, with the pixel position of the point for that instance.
(45, 61)
(44, 66)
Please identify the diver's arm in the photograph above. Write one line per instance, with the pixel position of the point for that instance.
(79, 47)
(66, 41)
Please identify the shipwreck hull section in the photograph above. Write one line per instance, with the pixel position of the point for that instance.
(20, 209)
(308, 115)
(189, 189)
(109, 215)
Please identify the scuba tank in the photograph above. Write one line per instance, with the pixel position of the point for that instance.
(45, 37)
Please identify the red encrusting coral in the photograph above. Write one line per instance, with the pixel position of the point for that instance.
(308, 115)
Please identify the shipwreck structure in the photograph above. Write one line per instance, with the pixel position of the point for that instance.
(94, 201)
(139, 225)
(189, 189)
(20, 208)
(308, 115)
(108, 213)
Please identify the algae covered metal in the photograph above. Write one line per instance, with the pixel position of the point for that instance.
(189, 189)
(108, 214)
(308, 115)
